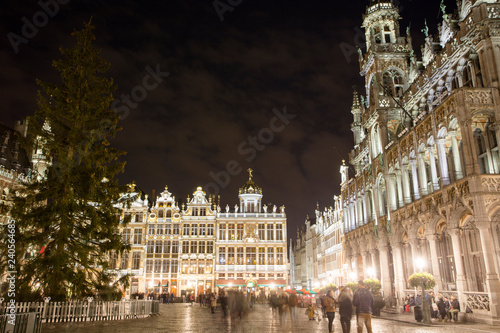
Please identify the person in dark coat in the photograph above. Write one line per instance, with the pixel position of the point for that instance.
(345, 309)
(363, 301)
(441, 307)
(419, 302)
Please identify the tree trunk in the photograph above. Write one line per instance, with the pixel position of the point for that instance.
(426, 311)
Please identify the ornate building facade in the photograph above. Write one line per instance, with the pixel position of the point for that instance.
(426, 157)
(317, 256)
(197, 248)
(251, 247)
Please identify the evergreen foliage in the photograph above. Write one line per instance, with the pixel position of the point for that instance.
(68, 217)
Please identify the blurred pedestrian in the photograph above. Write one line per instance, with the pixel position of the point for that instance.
(363, 301)
(329, 305)
(293, 301)
(213, 302)
(345, 309)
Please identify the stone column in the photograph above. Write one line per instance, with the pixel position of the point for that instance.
(423, 174)
(398, 270)
(385, 276)
(406, 184)
(365, 209)
(432, 238)
(432, 160)
(456, 155)
(359, 208)
(391, 193)
(400, 188)
(492, 280)
(414, 175)
(459, 264)
(443, 162)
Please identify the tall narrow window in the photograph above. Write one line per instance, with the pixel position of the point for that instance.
(210, 229)
(279, 232)
(262, 231)
(124, 261)
(222, 231)
(240, 256)
(222, 255)
(210, 247)
(230, 256)
(136, 260)
(239, 231)
(137, 236)
(270, 232)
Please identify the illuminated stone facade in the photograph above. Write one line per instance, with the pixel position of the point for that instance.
(251, 243)
(317, 256)
(198, 247)
(426, 157)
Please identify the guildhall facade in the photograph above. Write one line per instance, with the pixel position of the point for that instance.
(198, 247)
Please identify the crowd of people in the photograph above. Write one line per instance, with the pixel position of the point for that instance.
(236, 304)
(441, 308)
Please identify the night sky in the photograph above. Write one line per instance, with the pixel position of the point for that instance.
(228, 79)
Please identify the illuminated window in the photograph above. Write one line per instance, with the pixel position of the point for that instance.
(136, 260)
(137, 236)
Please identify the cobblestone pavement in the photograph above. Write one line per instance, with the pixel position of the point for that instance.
(260, 319)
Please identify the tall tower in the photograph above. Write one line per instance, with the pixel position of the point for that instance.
(385, 66)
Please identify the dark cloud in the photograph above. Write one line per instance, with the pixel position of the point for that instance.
(225, 80)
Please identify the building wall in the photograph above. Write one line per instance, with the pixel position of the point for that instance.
(318, 251)
(197, 248)
(426, 186)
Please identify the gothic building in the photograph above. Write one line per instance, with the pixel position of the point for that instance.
(317, 256)
(426, 156)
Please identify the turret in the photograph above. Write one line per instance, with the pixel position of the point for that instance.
(356, 126)
(381, 23)
(250, 196)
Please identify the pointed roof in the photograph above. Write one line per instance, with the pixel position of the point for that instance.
(355, 101)
(250, 187)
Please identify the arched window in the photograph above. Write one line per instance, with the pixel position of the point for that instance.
(481, 150)
(169, 213)
(393, 82)
(160, 213)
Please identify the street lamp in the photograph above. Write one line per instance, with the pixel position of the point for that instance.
(353, 276)
(371, 272)
(420, 262)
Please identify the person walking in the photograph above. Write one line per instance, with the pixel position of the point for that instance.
(213, 302)
(363, 301)
(345, 309)
(293, 301)
(329, 306)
